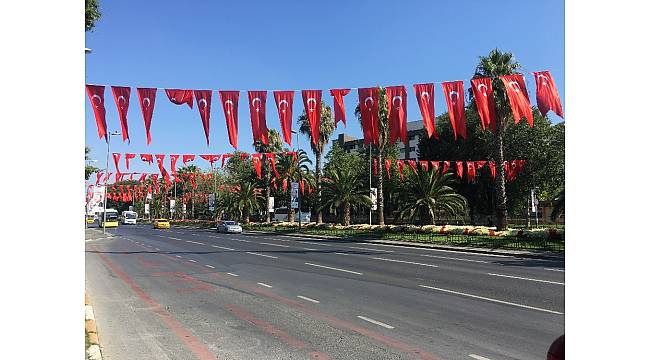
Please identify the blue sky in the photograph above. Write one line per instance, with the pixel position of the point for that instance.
(294, 45)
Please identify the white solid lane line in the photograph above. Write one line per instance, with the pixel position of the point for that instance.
(265, 285)
(364, 248)
(458, 259)
(493, 300)
(284, 246)
(309, 249)
(529, 279)
(405, 262)
(315, 243)
(561, 270)
(478, 357)
(268, 256)
(442, 250)
(308, 299)
(178, 256)
(375, 322)
(231, 274)
(338, 253)
(194, 242)
(210, 266)
(221, 247)
(173, 238)
(192, 260)
(333, 268)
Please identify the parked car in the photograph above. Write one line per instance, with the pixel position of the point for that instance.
(161, 224)
(282, 214)
(229, 227)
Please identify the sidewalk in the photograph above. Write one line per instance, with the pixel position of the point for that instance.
(96, 234)
(93, 351)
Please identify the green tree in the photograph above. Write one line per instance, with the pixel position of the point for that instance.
(496, 64)
(343, 190)
(274, 146)
(382, 149)
(325, 131)
(558, 206)
(427, 193)
(92, 14)
(89, 169)
(293, 170)
(246, 198)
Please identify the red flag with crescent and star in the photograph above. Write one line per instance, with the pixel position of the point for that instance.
(471, 171)
(173, 159)
(518, 97)
(445, 165)
(387, 164)
(459, 169)
(368, 106)
(147, 97)
(116, 160)
(484, 99)
(203, 100)
(424, 164)
(257, 105)
(339, 105)
(312, 101)
(424, 95)
(96, 97)
(454, 96)
(229, 102)
(127, 158)
(187, 157)
(146, 158)
(284, 103)
(180, 97)
(99, 176)
(257, 163)
(122, 94)
(435, 165)
(547, 95)
(396, 97)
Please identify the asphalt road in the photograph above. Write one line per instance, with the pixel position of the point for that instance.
(196, 294)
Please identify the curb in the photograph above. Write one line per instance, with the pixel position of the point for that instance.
(93, 352)
(422, 246)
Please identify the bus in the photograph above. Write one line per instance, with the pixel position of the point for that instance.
(282, 214)
(111, 218)
(129, 217)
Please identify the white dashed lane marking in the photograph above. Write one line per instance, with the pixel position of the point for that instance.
(231, 274)
(194, 242)
(222, 247)
(478, 357)
(528, 279)
(333, 268)
(308, 299)
(405, 262)
(284, 246)
(375, 322)
(268, 256)
(210, 266)
(265, 285)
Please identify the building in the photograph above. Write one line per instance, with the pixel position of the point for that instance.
(406, 152)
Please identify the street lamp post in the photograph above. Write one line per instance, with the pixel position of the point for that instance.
(299, 181)
(108, 151)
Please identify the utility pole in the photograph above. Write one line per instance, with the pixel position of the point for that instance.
(108, 151)
(370, 181)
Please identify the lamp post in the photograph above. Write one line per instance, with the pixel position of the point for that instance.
(108, 151)
(299, 180)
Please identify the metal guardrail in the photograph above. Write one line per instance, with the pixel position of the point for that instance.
(493, 242)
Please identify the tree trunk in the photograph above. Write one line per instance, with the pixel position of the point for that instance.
(380, 187)
(291, 213)
(319, 213)
(267, 179)
(500, 184)
(246, 215)
(193, 213)
(346, 213)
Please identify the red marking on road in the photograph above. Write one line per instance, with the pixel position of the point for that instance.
(147, 264)
(275, 332)
(192, 342)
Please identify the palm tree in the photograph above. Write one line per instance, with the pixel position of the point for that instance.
(558, 208)
(246, 198)
(382, 147)
(427, 193)
(343, 190)
(274, 146)
(288, 167)
(326, 130)
(496, 64)
(189, 169)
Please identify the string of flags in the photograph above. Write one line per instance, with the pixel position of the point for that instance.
(482, 88)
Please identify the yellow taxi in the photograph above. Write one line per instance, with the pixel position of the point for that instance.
(161, 224)
(90, 219)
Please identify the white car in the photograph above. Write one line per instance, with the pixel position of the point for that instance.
(229, 227)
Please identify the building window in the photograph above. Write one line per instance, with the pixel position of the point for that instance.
(412, 148)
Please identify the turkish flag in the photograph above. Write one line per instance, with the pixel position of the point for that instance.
(230, 104)
(147, 97)
(96, 97)
(547, 96)
(459, 169)
(312, 101)
(203, 100)
(339, 106)
(146, 158)
(173, 159)
(480, 164)
(284, 103)
(424, 94)
(257, 163)
(484, 98)
(270, 157)
(445, 166)
(143, 177)
(400, 168)
(122, 95)
(471, 171)
(99, 175)
(116, 160)
(187, 157)
(257, 105)
(211, 158)
(454, 96)
(180, 97)
(518, 97)
(412, 165)
(396, 96)
(493, 169)
(387, 163)
(435, 165)
(424, 164)
(128, 157)
(369, 108)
